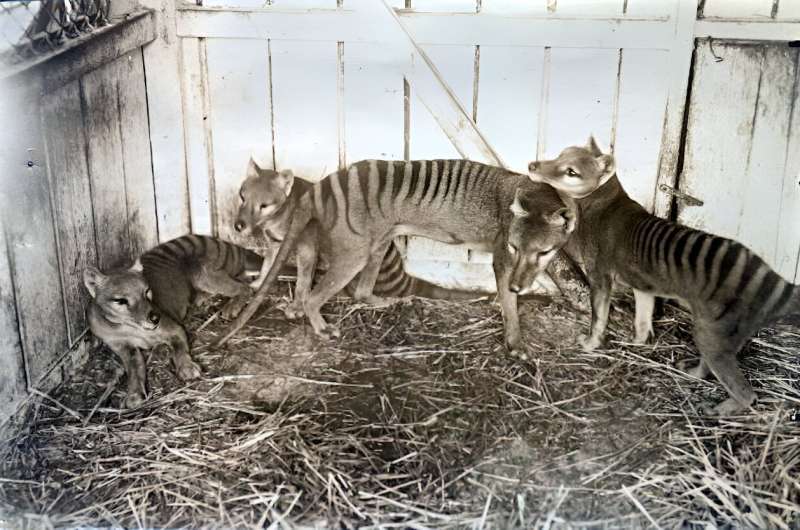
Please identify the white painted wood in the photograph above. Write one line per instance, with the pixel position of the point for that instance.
(357, 24)
(650, 8)
(585, 8)
(738, 8)
(240, 120)
(768, 30)
(760, 213)
(718, 138)
(514, 7)
(509, 97)
(680, 59)
(304, 105)
(456, 65)
(445, 6)
(789, 9)
(373, 101)
(12, 364)
(640, 119)
(194, 126)
(787, 245)
(71, 194)
(162, 72)
(580, 99)
(136, 157)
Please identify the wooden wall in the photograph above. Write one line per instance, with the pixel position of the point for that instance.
(77, 190)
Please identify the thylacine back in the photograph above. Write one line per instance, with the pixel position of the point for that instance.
(353, 215)
(137, 309)
(730, 290)
(264, 195)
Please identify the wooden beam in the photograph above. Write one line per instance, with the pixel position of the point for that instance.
(747, 30)
(87, 52)
(354, 24)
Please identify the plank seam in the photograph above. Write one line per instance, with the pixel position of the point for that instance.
(124, 169)
(208, 135)
(271, 103)
(541, 140)
(12, 275)
(150, 145)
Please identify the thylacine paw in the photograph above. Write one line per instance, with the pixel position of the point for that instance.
(589, 343)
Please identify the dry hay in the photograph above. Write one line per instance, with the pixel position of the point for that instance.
(416, 419)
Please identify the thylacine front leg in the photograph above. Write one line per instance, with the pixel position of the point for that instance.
(306, 252)
(133, 362)
(175, 336)
(369, 276)
(600, 284)
(643, 322)
(508, 302)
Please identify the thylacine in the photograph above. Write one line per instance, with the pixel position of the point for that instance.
(264, 211)
(143, 307)
(730, 290)
(355, 213)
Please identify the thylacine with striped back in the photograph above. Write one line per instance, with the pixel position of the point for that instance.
(353, 215)
(143, 307)
(729, 289)
(264, 212)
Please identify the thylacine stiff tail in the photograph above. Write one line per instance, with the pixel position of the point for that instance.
(299, 221)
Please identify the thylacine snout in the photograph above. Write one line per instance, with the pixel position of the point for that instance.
(124, 298)
(577, 171)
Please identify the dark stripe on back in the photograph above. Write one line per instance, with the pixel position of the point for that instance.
(428, 176)
(415, 168)
(363, 182)
(399, 174)
(694, 253)
(785, 298)
(713, 248)
(652, 245)
(455, 176)
(440, 174)
(678, 249)
(642, 237)
(382, 167)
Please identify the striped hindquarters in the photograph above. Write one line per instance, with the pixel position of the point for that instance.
(192, 250)
(381, 187)
(708, 269)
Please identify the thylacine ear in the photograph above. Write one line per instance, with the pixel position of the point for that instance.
(592, 146)
(564, 217)
(517, 208)
(608, 166)
(93, 279)
(285, 179)
(253, 171)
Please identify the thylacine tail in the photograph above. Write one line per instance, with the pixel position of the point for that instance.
(303, 213)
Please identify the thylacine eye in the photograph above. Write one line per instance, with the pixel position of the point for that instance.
(571, 172)
(512, 249)
(263, 206)
(120, 301)
(149, 294)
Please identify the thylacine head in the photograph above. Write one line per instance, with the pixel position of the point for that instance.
(123, 298)
(538, 229)
(577, 171)
(263, 194)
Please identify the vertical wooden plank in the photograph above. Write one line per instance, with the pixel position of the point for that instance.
(109, 202)
(586, 8)
(738, 8)
(72, 199)
(456, 65)
(763, 185)
(30, 235)
(194, 125)
(787, 257)
(580, 98)
(718, 138)
(12, 364)
(162, 72)
(511, 75)
(304, 107)
(239, 118)
(373, 101)
(640, 117)
(136, 157)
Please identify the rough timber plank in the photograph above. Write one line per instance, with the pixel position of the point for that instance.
(12, 364)
(72, 201)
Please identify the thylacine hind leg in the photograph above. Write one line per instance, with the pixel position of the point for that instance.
(215, 281)
(718, 351)
(368, 276)
(643, 322)
(306, 251)
(343, 267)
(601, 302)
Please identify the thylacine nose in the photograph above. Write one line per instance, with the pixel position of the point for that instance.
(239, 226)
(154, 317)
(533, 166)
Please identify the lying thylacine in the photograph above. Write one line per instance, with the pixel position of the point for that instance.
(729, 289)
(145, 306)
